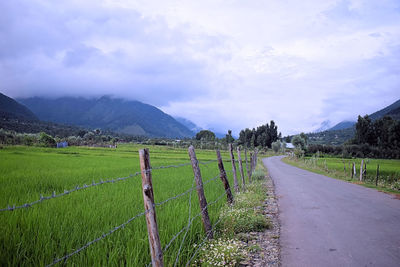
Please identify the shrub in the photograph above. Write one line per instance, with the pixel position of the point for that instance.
(222, 252)
(258, 174)
(46, 140)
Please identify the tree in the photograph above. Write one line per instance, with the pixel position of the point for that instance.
(46, 140)
(299, 142)
(205, 135)
(229, 138)
(276, 146)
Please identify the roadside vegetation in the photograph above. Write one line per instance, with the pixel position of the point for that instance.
(246, 215)
(340, 168)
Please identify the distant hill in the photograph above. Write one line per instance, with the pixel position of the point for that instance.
(189, 124)
(11, 109)
(345, 130)
(392, 110)
(128, 117)
(343, 125)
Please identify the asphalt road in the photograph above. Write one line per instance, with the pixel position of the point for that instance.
(328, 222)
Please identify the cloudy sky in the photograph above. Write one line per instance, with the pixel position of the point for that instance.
(222, 64)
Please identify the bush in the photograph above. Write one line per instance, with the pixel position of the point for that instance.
(46, 140)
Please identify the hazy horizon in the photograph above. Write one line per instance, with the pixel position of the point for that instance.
(222, 66)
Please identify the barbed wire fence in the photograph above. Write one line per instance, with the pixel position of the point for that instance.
(150, 211)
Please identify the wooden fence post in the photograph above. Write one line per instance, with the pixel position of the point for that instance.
(251, 163)
(361, 170)
(224, 179)
(148, 199)
(365, 171)
(354, 171)
(235, 181)
(200, 193)
(241, 168)
(247, 166)
(377, 175)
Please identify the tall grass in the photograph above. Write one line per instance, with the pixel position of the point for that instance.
(53, 228)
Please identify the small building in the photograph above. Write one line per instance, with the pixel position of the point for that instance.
(289, 145)
(62, 144)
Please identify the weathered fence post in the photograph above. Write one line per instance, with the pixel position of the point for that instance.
(224, 179)
(354, 170)
(365, 171)
(148, 199)
(200, 193)
(235, 181)
(241, 168)
(377, 175)
(251, 164)
(247, 166)
(361, 170)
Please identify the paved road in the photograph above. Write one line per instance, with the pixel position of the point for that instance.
(327, 222)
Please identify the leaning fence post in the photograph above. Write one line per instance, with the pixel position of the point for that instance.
(224, 179)
(148, 199)
(377, 175)
(361, 170)
(241, 168)
(200, 193)
(235, 181)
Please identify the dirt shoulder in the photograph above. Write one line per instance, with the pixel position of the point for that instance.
(265, 246)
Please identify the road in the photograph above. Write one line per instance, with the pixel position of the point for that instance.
(328, 222)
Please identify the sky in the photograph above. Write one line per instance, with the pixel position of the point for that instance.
(229, 64)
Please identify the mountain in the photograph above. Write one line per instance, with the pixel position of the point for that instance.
(189, 124)
(345, 130)
(392, 110)
(325, 125)
(343, 125)
(128, 117)
(11, 109)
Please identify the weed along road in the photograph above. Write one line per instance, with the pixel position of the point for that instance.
(328, 222)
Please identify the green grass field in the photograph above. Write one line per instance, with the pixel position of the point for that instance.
(389, 170)
(37, 235)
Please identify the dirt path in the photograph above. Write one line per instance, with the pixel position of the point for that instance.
(327, 222)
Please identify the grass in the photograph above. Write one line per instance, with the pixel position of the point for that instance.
(49, 230)
(389, 171)
(244, 216)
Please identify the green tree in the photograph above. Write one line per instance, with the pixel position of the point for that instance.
(46, 140)
(205, 135)
(299, 142)
(229, 138)
(276, 146)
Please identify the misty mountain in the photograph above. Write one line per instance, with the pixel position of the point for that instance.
(345, 130)
(392, 110)
(11, 109)
(343, 125)
(325, 125)
(128, 117)
(189, 124)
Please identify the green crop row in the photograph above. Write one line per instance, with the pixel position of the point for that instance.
(56, 227)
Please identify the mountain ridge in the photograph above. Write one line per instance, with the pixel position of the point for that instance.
(115, 114)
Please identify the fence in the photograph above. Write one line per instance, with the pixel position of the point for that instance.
(156, 251)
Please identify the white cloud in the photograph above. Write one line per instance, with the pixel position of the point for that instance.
(223, 64)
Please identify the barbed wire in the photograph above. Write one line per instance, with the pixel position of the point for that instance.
(64, 258)
(187, 226)
(190, 222)
(67, 192)
(85, 186)
(203, 242)
(186, 192)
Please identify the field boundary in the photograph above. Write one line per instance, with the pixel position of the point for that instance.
(150, 210)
